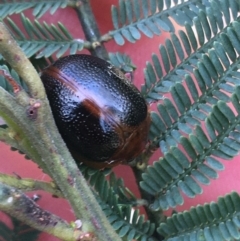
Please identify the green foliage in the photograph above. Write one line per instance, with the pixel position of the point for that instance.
(184, 48)
(198, 121)
(214, 221)
(117, 202)
(122, 61)
(43, 40)
(151, 17)
(39, 7)
(19, 232)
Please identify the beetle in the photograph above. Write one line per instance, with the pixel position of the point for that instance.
(100, 114)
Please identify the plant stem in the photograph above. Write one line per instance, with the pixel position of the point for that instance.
(6, 136)
(20, 206)
(41, 132)
(28, 184)
(155, 216)
(90, 28)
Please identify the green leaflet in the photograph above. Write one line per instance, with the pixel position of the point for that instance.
(215, 221)
(194, 117)
(122, 61)
(39, 8)
(132, 17)
(117, 203)
(207, 73)
(44, 40)
(198, 163)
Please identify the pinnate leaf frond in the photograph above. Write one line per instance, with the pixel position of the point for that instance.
(186, 46)
(117, 203)
(132, 18)
(196, 126)
(44, 40)
(213, 221)
(8, 7)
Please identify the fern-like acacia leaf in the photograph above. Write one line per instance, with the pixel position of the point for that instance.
(193, 134)
(44, 40)
(205, 68)
(8, 7)
(185, 44)
(214, 221)
(186, 170)
(150, 17)
(117, 203)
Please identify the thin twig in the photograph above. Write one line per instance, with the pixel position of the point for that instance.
(18, 205)
(28, 184)
(19, 62)
(7, 136)
(11, 110)
(38, 131)
(90, 28)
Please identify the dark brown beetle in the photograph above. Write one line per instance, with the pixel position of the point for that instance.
(100, 114)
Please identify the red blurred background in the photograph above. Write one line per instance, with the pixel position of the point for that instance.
(12, 162)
